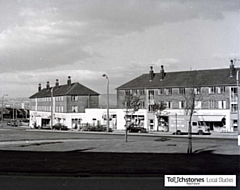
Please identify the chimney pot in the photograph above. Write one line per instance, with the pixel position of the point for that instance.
(232, 69)
(57, 83)
(39, 87)
(48, 86)
(69, 80)
(162, 74)
(151, 74)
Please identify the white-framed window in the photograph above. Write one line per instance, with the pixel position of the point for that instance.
(135, 92)
(127, 92)
(74, 98)
(234, 108)
(181, 104)
(212, 104)
(222, 104)
(197, 90)
(212, 90)
(221, 89)
(168, 104)
(168, 91)
(59, 99)
(75, 109)
(161, 91)
(142, 104)
(141, 92)
(151, 94)
(198, 104)
(233, 94)
(181, 90)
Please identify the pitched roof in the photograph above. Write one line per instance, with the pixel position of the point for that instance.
(64, 90)
(212, 77)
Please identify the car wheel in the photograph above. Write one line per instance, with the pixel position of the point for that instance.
(200, 132)
(178, 132)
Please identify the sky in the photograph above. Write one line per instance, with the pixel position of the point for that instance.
(45, 40)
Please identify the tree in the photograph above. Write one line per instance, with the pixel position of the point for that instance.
(132, 104)
(158, 108)
(192, 97)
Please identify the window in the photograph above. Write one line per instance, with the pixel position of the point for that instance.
(212, 90)
(161, 91)
(198, 104)
(74, 98)
(168, 91)
(197, 90)
(221, 90)
(59, 109)
(142, 104)
(212, 104)
(234, 94)
(127, 92)
(194, 123)
(181, 90)
(59, 98)
(234, 108)
(74, 108)
(141, 92)
(169, 104)
(222, 104)
(181, 104)
(135, 92)
(151, 95)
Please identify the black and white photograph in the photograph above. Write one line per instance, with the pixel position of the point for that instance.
(119, 94)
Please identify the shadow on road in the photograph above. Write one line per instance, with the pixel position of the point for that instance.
(97, 163)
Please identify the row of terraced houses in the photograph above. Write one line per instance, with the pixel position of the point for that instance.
(74, 104)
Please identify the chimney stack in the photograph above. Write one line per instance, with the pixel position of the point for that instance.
(57, 83)
(151, 74)
(232, 69)
(47, 86)
(69, 81)
(162, 74)
(39, 87)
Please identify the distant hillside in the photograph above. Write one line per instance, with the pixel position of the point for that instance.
(112, 100)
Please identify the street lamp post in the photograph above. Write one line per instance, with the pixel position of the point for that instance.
(238, 122)
(52, 106)
(3, 107)
(104, 75)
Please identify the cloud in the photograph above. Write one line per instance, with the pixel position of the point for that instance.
(42, 40)
(26, 83)
(50, 33)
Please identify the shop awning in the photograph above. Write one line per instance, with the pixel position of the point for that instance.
(217, 118)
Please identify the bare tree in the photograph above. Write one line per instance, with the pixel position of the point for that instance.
(132, 104)
(192, 97)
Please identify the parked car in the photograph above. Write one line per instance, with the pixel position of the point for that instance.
(135, 129)
(12, 123)
(88, 127)
(59, 126)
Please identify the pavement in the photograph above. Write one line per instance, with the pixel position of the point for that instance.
(213, 134)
